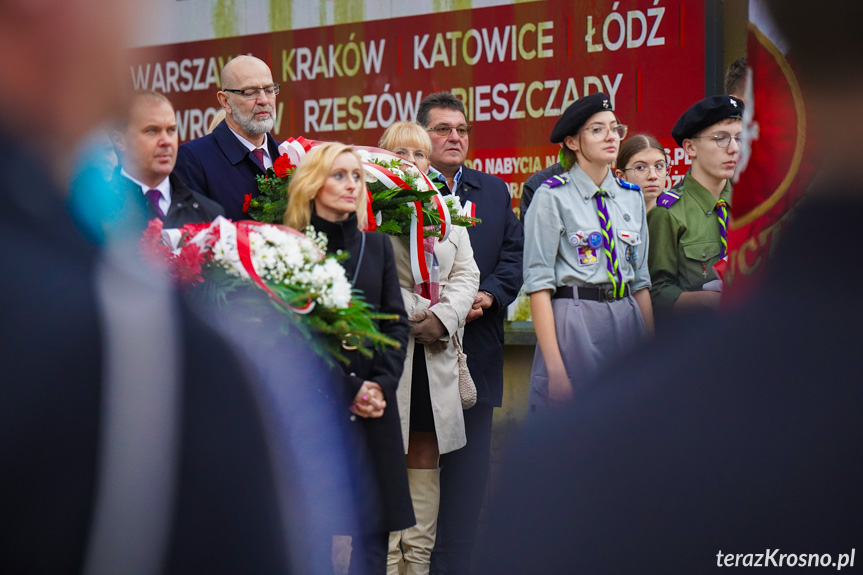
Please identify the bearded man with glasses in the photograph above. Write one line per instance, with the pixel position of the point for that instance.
(688, 227)
(223, 164)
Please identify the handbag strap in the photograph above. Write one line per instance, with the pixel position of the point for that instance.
(457, 344)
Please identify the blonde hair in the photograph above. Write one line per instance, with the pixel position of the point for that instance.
(217, 119)
(309, 178)
(406, 134)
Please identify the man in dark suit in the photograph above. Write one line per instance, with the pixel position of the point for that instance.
(146, 146)
(91, 479)
(497, 246)
(223, 164)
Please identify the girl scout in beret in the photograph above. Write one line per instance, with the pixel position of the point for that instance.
(689, 224)
(585, 257)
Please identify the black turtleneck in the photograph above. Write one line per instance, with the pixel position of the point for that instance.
(341, 235)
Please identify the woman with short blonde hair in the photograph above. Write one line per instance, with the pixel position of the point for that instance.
(410, 141)
(429, 401)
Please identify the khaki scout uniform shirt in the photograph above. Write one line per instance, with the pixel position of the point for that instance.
(684, 244)
(559, 223)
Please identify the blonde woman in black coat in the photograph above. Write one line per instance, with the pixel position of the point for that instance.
(328, 191)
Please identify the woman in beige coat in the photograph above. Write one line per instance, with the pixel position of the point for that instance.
(428, 395)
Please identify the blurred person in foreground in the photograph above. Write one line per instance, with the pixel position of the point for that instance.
(739, 437)
(146, 145)
(132, 436)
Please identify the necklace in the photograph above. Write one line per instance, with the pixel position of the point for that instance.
(359, 258)
(345, 345)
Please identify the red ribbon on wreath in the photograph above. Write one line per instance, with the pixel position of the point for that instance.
(244, 251)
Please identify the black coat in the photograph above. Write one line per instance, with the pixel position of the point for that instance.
(187, 206)
(378, 280)
(497, 245)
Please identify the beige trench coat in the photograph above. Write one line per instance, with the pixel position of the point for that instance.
(459, 282)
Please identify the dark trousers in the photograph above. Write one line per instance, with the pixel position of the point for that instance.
(463, 479)
(369, 554)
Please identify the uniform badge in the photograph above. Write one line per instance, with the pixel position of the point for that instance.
(594, 240)
(577, 238)
(631, 253)
(587, 256)
(626, 217)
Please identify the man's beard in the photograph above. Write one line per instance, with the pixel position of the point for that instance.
(250, 125)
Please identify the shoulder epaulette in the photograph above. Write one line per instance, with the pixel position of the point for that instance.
(628, 185)
(667, 199)
(556, 181)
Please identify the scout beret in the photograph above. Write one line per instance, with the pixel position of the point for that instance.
(704, 114)
(576, 115)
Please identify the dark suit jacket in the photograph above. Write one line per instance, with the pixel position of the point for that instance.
(497, 249)
(187, 206)
(533, 183)
(52, 356)
(222, 169)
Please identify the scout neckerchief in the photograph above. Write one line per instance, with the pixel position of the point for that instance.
(608, 244)
(722, 213)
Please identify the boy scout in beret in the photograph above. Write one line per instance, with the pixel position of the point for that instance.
(688, 227)
(585, 257)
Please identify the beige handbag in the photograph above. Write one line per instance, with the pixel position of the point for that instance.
(466, 386)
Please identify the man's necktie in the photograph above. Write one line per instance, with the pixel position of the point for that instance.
(722, 214)
(154, 196)
(259, 155)
(608, 244)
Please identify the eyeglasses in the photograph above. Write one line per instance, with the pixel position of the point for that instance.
(445, 130)
(249, 93)
(600, 133)
(642, 170)
(723, 140)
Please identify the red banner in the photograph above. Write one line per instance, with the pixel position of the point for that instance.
(516, 67)
(776, 165)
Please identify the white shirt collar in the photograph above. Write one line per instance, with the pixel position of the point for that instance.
(250, 146)
(455, 181)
